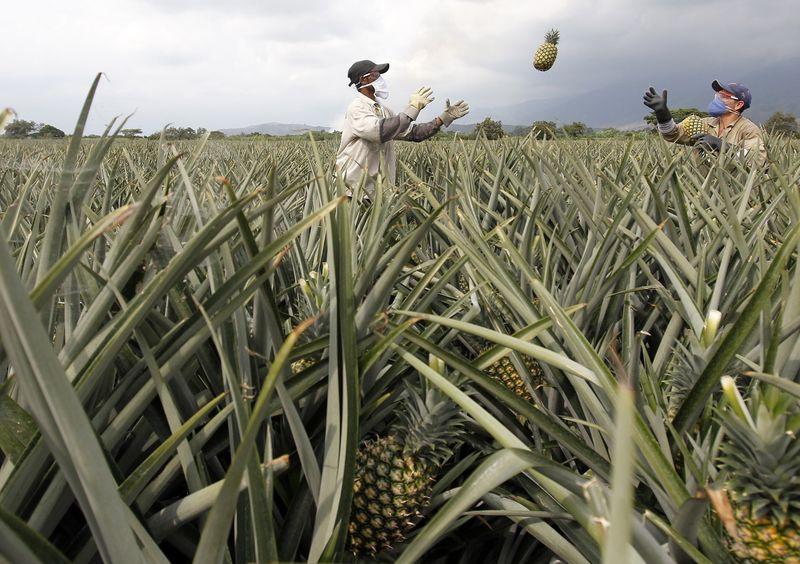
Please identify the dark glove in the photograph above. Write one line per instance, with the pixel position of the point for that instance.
(708, 142)
(658, 104)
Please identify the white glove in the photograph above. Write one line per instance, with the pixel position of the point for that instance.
(421, 98)
(452, 113)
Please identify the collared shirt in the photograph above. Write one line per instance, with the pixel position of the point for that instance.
(370, 129)
(741, 133)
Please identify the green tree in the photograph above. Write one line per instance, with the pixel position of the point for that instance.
(178, 133)
(48, 131)
(490, 128)
(20, 128)
(576, 129)
(216, 135)
(544, 129)
(607, 133)
(678, 115)
(782, 122)
(131, 132)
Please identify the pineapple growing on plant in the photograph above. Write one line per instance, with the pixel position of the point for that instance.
(761, 469)
(302, 364)
(506, 373)
(545, 56)
(396, 472)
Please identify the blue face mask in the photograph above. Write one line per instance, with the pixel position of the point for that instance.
(717, 107)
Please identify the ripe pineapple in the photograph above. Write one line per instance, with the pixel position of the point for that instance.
(545, 55)
(395, 472)
(302, 364)
(762, 466)
(694, 125)
(506, 373)
(462, 283)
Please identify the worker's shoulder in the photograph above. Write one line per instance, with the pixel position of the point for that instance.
(745, 123)
(359, 103)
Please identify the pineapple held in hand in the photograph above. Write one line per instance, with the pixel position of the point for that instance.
(694, 125)
(545, 55)
(395, 472)
(761, 465)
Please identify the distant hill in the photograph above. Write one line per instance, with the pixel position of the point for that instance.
(275, 128)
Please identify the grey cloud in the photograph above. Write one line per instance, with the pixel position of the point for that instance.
(224, 64)
(260, 7)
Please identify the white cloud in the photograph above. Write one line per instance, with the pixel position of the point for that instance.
(227, 64)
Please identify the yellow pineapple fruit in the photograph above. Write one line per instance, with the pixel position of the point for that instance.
(396, 472)
(694, 125)
(545, 55)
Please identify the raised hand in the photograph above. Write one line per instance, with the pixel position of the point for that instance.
(453, 112)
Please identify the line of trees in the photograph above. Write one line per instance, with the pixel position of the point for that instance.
(21, 129)
(492, 129)
(28, 129)
(179, 133)
(779, 123)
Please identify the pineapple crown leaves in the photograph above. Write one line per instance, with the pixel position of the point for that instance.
(761, 458)
(430, 425)
(552, 36)
(763, 475)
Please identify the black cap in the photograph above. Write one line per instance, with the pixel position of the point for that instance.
(360, 68)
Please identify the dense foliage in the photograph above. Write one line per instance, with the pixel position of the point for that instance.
(528, 334)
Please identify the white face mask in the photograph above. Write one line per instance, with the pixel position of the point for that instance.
(380, 86)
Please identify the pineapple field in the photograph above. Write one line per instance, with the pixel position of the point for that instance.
(522, 351)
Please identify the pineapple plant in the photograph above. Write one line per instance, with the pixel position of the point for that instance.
(545, 56)
(761, 471)
(694, 125)
(395, 472)
(212, 261)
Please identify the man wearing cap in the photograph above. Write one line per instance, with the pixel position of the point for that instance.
(726, 126)
(370, 127)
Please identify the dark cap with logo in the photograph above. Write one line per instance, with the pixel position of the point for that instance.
(740, 91)
(360, 68)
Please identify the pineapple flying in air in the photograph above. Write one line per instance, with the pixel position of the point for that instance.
(545, 55)
(694, 125)
(761, 467)
(396, 472)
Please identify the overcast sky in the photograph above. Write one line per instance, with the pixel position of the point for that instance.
(220, 64)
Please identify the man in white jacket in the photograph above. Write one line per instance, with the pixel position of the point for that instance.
(370, 127)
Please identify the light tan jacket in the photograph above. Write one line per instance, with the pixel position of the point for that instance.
(370, 129)
(742, 133)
